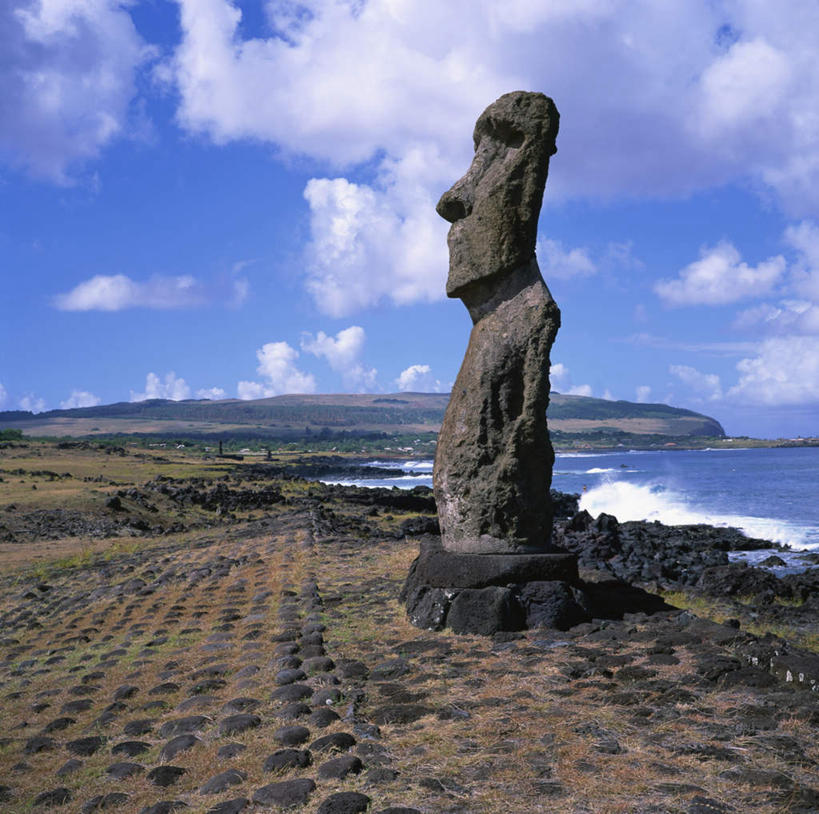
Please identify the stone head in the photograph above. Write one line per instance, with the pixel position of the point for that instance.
(494, 208)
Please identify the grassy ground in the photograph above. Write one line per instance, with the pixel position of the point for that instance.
(612, 718)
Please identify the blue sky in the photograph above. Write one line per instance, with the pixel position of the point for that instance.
(213, 198)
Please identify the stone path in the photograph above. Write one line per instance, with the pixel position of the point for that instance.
(198, 678)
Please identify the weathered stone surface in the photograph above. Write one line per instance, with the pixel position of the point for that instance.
(440, 568)
(552, 604)
(493, 464)
(485, 611)
(286, 794)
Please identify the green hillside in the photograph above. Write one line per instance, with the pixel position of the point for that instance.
(286, 417)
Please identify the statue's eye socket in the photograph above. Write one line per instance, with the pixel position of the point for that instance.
(506, 133)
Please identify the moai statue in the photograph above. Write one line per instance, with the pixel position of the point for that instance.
(493, 467)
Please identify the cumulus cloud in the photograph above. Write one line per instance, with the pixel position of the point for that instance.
(212, 393)
(32, 403)
(279, 373)
(80, 398)
(560, 263)
(118, 292)
(787, 317)
(342, 354)
(561, 380)
(804, 238)
(399, 85)
(720, 277)
(784, 372)
(705, 385)
(418, 379)
(169, 387)
(643, 393)
(68, 80)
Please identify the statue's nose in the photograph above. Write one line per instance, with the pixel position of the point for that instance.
(455, 204)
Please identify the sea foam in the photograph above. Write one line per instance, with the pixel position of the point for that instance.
(628, 501)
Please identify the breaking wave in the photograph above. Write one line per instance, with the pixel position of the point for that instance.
(628, 501)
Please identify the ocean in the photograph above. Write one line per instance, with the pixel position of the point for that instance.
(772, 494)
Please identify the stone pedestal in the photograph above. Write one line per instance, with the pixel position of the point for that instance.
(487, 593)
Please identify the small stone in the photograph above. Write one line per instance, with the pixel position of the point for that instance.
(323, 717)
(291, 735)
(130, 748)
(241, 705)
(287, 794)
(58, 724)
(400, 713)
(39, 743)
(165, 776)
(292, 692)
(389, 670)
(141, 726)
(344, 802)
(179, 726)
(180, 743)
(119, 771)
(53, 798)
(69, 767)
(326, 697)
(164, 807)
(318, 664)
(287, 759)
(230, 751)
(196, 702)
(338, 768)
(125, 691)
(380, 775)
(104, 802)
(289, 676)
(230, 806)
(337, 742)
(86, 746)
(234, 724)
(297, 709)
(222, 781)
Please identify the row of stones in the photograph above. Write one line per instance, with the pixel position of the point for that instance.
(204, 680)
(300, 650)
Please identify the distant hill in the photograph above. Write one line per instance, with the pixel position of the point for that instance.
(296, 415)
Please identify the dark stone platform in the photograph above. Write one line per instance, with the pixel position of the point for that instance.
(487, 593)
(439, 568)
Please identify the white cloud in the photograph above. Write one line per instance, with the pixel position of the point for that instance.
(665, 107)
(784, 372)
(561, 380)
(32, 403)
(418, 379)
(212, 393)
(788, 317)
(68, 80)
(804, 237)
(720, 277)
(80, 398)
(560, 263)
(558, 374)
(117, 292)
(3, 394)
(170, 387)
(371, 244)
(706, 385)
(342, 354)
(643, 393)
(277, 368)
